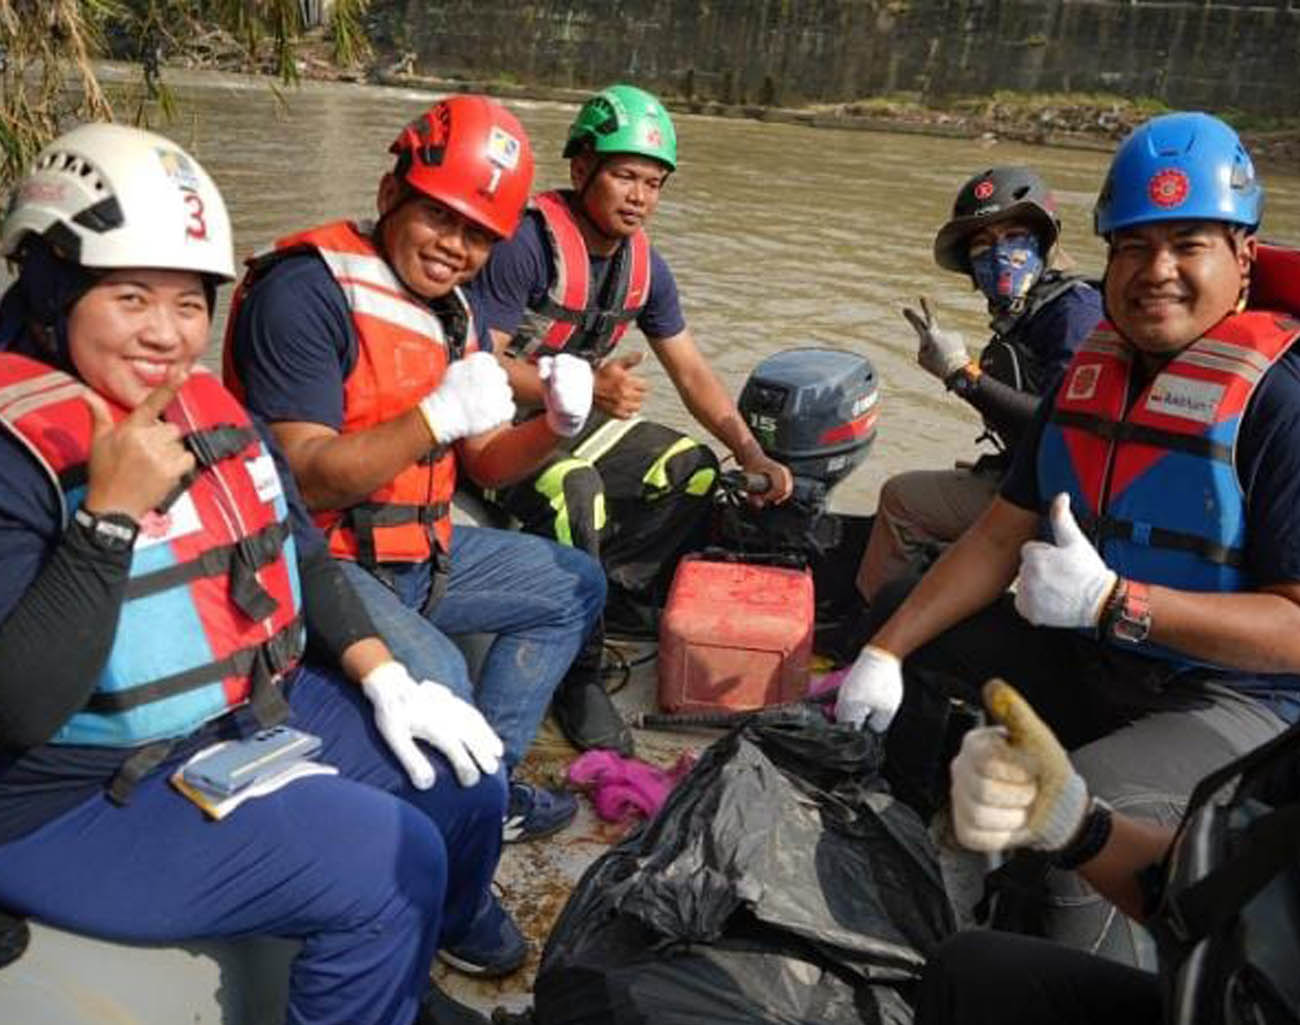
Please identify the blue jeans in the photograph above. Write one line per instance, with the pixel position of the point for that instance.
(540, 600)
(370, 873)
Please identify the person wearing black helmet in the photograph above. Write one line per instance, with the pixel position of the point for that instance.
(1004, 234)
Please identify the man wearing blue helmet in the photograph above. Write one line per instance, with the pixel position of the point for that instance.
(1149, 523)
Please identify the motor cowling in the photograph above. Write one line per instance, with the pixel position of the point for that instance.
(814, 410)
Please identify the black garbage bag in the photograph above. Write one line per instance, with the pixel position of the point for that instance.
(780, 883)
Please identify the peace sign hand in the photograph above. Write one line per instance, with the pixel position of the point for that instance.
(136, 463)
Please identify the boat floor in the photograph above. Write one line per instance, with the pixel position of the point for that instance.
(535, 879)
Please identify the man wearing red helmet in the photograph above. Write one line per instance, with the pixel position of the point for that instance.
(354, 342)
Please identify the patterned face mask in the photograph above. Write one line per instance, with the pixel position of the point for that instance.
(1006, 270)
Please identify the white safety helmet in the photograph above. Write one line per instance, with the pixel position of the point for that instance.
(110, 196)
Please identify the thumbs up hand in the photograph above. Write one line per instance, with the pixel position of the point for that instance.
(618, 391)
(136, 462)
(1063, 583)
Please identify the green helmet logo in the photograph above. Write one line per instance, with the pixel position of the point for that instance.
(624, 119)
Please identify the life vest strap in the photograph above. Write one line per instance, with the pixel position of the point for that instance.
(256, 550)
(1108, 528)
(276, 655)
(364, 517)
(1121, 431)
(214, 444)
(594, 318)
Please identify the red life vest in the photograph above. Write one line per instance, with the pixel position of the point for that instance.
(570, 318)
(211, 613)
(1156, 484)
(403, 348)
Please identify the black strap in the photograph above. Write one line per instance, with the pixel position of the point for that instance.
(364, 517)
(1107, 528)
(209, 447)
(135, 768)
(257, 549)
(1122, 430)
(278, 654)
(1206, 906)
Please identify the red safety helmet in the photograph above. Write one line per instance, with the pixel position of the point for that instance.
(471, 154)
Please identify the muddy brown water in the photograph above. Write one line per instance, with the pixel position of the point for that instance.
(778, 235)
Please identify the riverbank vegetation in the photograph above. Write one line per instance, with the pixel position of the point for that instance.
(48, 43)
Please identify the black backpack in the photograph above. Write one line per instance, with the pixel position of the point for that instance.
(1228, 925)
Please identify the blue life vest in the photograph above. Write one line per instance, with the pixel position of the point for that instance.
(210, 619)
(1155, 485)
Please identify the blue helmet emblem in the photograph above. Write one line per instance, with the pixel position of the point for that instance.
(1176, 167)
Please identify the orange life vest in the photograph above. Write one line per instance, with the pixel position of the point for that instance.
(403, 349)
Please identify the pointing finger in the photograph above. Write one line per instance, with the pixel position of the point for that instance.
(161, 397)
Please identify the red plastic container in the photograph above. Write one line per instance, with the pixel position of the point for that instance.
(734, 636)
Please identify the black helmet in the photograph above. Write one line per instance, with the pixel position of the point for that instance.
(997, 194)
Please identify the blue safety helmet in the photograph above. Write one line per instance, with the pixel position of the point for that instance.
(1179, 167)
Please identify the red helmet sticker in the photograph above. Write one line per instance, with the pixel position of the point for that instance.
(1168, 188)
(984, 189)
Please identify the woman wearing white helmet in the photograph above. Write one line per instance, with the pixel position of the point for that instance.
(156, 574)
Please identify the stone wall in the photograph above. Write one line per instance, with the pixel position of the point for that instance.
(1217, 55)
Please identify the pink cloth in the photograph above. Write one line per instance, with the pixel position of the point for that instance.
(625, 788)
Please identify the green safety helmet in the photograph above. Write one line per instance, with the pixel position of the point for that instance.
(624, 119)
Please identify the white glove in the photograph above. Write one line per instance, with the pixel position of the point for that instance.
(406, 711)
(1013, 785)
(568, 382)
(1065, 583)
(871, 690)
(474, 396)
(941, 353)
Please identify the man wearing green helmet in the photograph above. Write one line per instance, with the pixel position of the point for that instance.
(578, 272)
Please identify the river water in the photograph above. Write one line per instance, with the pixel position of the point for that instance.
(779, 235)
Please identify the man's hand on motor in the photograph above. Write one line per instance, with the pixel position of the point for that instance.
(406, 711)
(136, 463)
(941, 353)
(567, 381)
(1013, 784)
(1064, 583)
(618, 391)
(474, 396)
(871, 690)
(780, 479)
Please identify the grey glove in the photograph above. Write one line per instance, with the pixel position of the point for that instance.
(941, 353)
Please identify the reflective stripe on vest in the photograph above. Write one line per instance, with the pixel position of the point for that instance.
(570, 318)
(212, 600)
(1156, 486)
(403, 349)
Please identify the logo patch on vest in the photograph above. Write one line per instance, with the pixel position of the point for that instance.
(1183, 397)
(1083, 381)
(180, 519)
(261, 470)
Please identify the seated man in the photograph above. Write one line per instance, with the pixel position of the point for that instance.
(354, 342)
(576, 275)
(1004, 235)
(1232, 945)
(1161, 639)
(134, 638)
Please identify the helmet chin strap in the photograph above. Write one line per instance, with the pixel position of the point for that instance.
(580, 203)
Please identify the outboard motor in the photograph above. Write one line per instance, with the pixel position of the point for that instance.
(814, 410)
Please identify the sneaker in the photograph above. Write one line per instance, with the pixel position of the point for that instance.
(587, 717)
(534, 812)
(493, 946)
(437, 1008)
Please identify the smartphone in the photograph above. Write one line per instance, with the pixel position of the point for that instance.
(240, 763)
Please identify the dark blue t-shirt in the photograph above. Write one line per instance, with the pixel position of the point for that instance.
(295, 344)
(1059, 328)
(1268, 467)
(520, 270)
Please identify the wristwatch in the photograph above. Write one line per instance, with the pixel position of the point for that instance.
(963, 381)
(1129, 613)
(109, 532)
